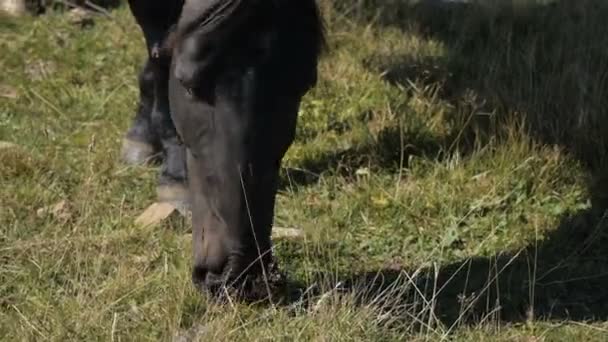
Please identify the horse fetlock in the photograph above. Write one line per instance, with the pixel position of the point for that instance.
(136, 152)
(174, 192)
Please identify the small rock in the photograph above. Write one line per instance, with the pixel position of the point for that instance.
(155, 214)
(8, 92)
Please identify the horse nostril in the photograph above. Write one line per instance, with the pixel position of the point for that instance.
(185, 74)
(207, 281)
(186, 83)
(213, 282)
(179, 73)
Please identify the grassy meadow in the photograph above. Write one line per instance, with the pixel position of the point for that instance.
(449, 173)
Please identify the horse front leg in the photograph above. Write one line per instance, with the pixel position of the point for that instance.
(141, 144)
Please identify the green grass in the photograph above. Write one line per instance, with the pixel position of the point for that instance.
(448, 173)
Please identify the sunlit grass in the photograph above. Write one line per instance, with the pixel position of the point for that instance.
(441, 176)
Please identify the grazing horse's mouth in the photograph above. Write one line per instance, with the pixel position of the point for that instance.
(249, 284)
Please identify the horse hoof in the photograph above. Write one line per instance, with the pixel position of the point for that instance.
(136, 152)
(176, 194)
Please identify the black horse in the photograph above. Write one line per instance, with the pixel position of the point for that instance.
(238, 72)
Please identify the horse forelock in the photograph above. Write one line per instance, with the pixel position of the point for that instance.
(207, 15)
(215, 18)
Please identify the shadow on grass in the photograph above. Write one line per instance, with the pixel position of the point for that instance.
(390, 150)
(561, 278)
(543, 65)
(564, 277)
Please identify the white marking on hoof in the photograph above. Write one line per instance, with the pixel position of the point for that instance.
(136, 153)
(174, 193)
